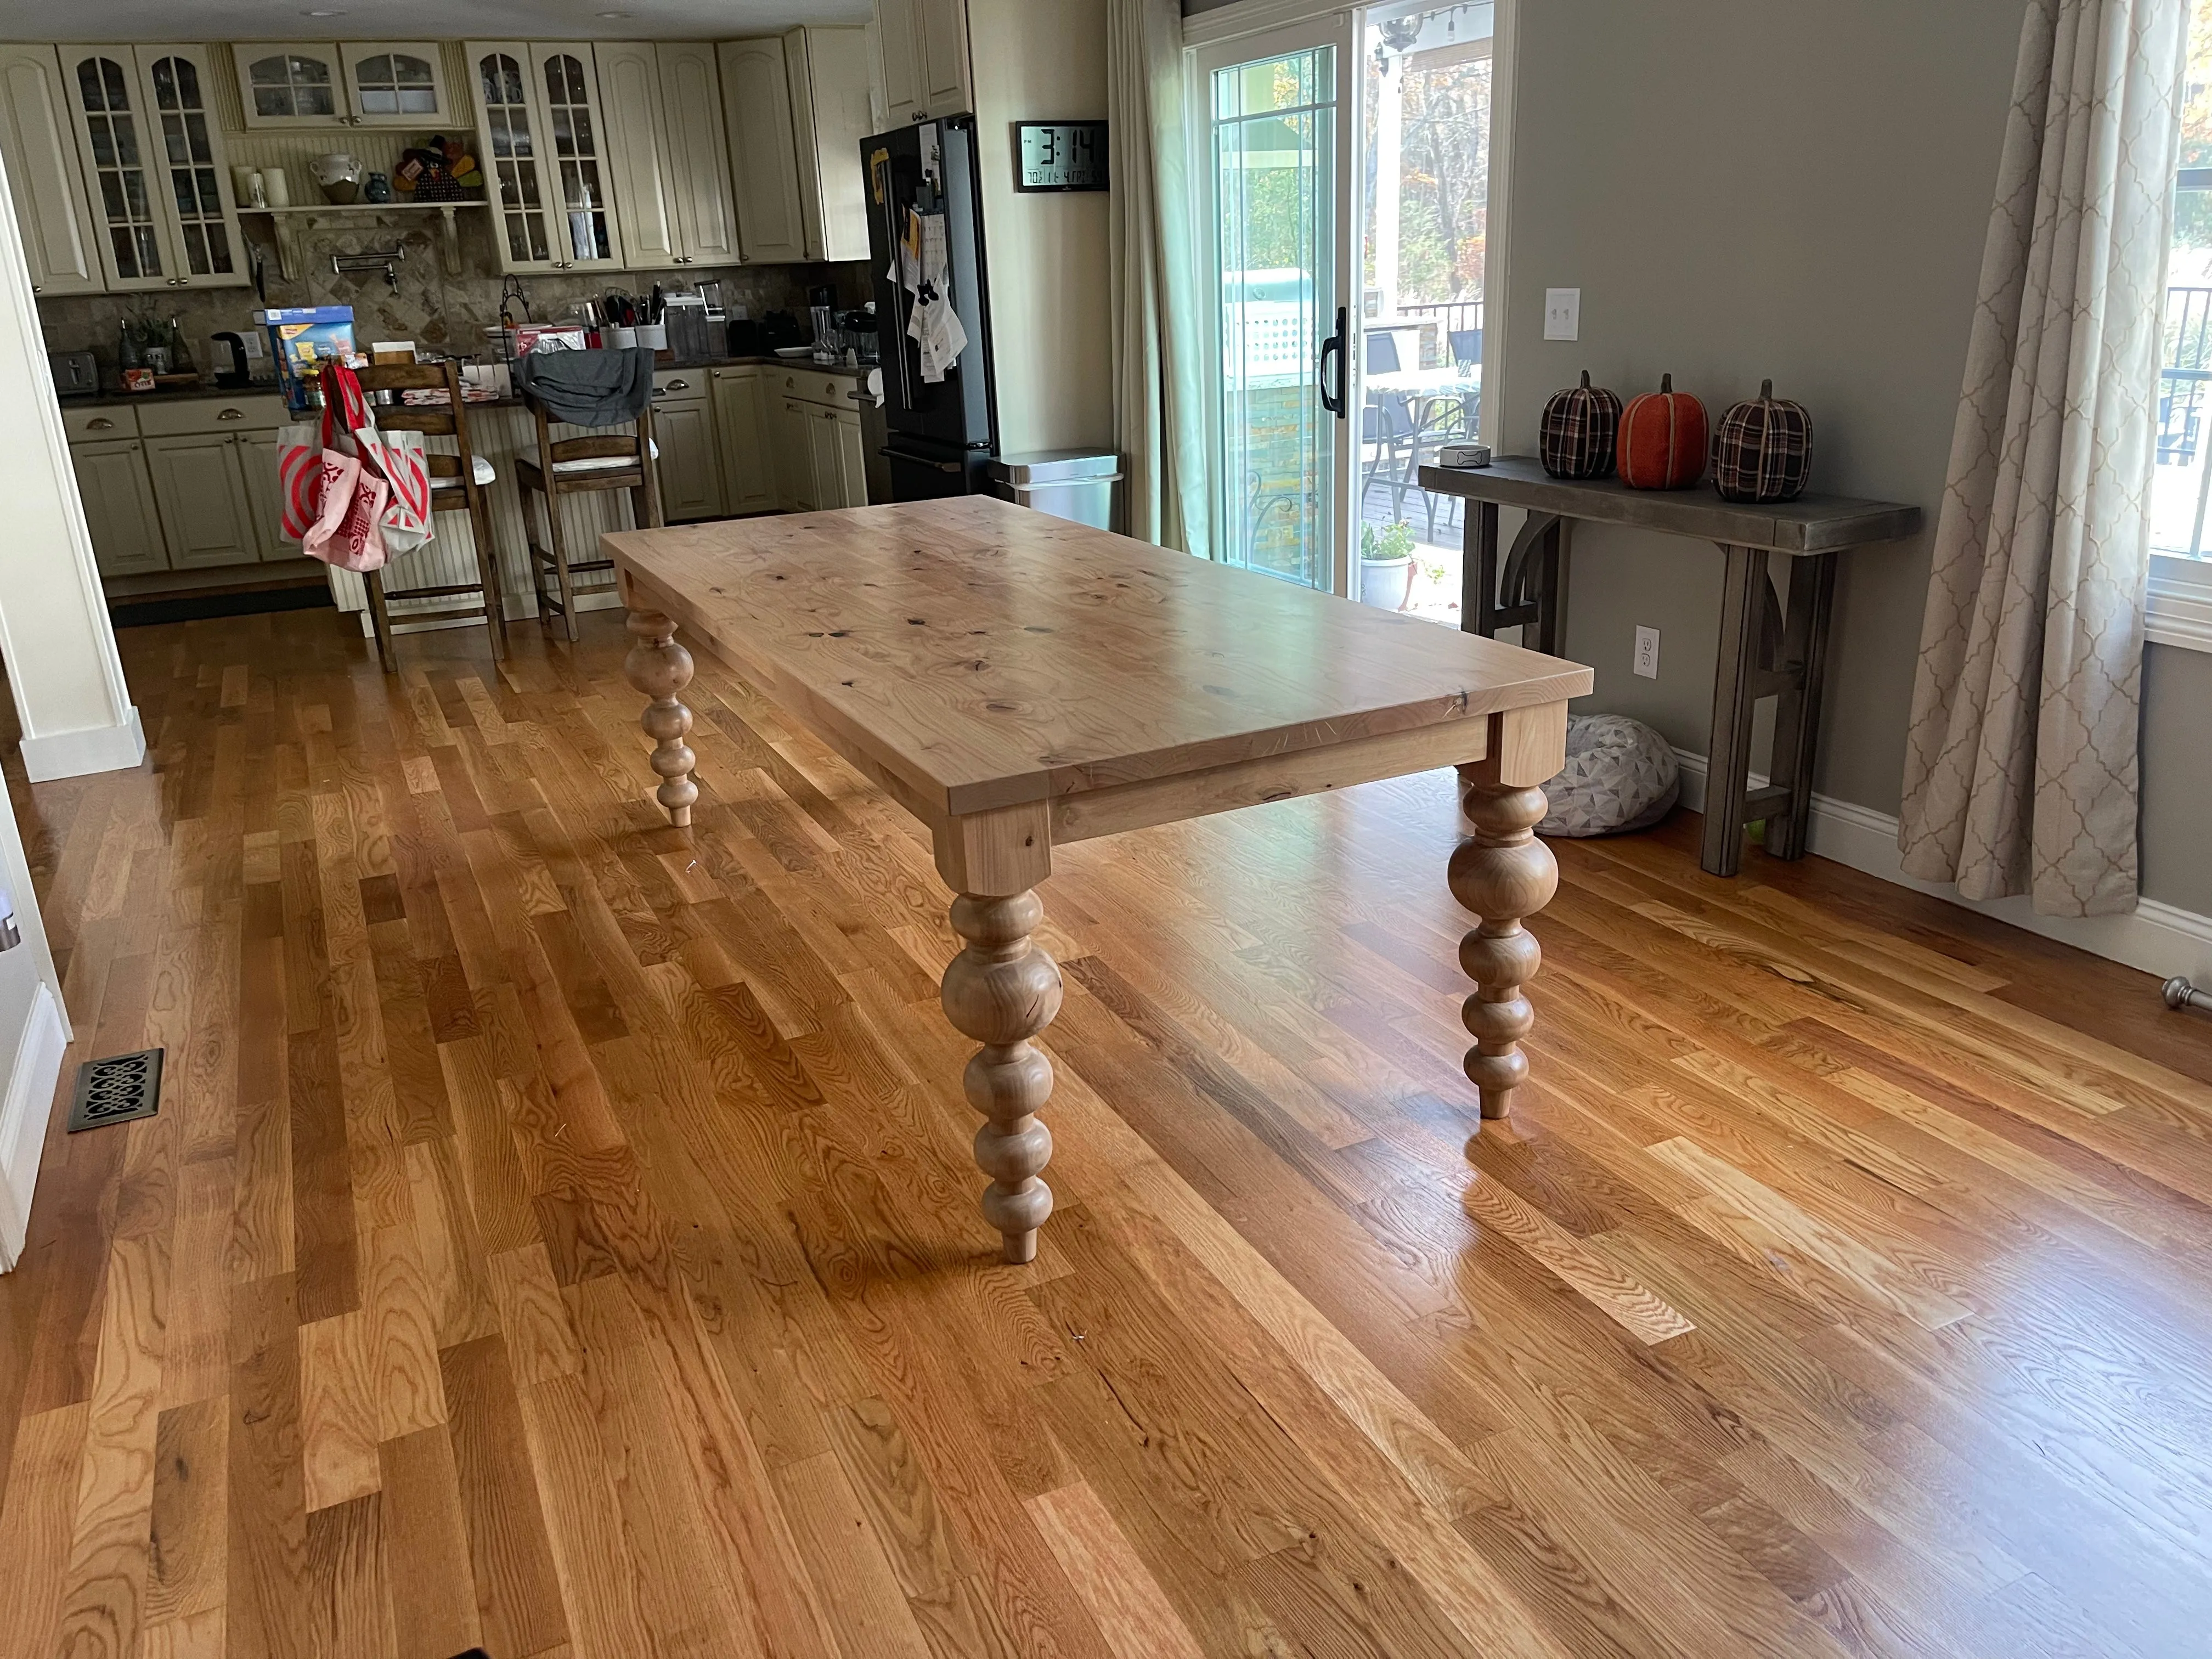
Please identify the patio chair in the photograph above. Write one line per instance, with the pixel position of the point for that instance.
(1467, 347)
(1382, 352)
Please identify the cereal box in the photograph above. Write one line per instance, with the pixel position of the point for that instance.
(303, 339)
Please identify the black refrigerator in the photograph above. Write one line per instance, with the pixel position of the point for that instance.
(941, 432)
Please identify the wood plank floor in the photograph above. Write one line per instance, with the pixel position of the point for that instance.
(559, 1232)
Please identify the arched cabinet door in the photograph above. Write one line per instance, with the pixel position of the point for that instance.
(543, 145)
(154, 167)
(395, 83)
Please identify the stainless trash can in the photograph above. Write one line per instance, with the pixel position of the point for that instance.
(1068, 483)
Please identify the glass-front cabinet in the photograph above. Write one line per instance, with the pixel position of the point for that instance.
(352, 83)
(543, 144)
(154, 167)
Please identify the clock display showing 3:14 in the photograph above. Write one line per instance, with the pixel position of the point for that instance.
(1060, 155)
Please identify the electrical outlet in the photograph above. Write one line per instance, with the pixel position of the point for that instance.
(1563, 314)
(1647, 652)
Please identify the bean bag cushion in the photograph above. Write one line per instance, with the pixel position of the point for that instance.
(1620, 775)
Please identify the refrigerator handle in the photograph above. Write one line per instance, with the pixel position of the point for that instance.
(1335, 343)
(898, 291)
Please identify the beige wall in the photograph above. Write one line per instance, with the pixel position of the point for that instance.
(1043, 60)
(1747, 188)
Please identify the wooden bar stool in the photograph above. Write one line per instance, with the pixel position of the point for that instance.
(453, 489)
(569, 466)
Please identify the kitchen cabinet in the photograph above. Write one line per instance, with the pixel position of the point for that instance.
(541, 139)
(924, 45)
(791, 441)
(749, 482)
(764, 159)
(119, 506)
(264, 494)
(830, 115)
(39, 149)
(206, 519)
(691, 466)
(836, 459)
(671, 169)
(354, 84)
(154, 167)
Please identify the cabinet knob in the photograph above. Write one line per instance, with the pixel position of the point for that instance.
(103, 424)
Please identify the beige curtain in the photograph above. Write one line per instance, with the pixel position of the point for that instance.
(2019, 772)
(1157, 408)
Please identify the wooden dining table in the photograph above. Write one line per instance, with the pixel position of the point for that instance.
(1017, 682)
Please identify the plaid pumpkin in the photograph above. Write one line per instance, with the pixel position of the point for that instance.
(1580, 426)
(1763, 449)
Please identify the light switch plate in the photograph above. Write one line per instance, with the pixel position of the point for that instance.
(1647, 652)
(1563, 314)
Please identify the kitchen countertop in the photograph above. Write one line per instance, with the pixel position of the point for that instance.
(111, 400)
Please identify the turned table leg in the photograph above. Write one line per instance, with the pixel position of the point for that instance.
(1501, 874)
(1002, 990)
(660, 668)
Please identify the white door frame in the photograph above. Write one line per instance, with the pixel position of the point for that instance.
(1332, 28)
(1224, 34)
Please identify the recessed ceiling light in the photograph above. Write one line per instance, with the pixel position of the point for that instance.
(617, 14)
(322, 14)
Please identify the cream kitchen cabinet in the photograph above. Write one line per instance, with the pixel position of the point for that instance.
(757, 102)
(690, 464)
(354, 84)
(119, 506)
(154, 172)
(206, 519)
(543, 141)
(671, 169)
(39, 147)
(837, 458)
(748, 482)
(924, 45)
(828, 71)
(265, 497)
(814, 437)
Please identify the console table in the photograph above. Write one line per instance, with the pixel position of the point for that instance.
(1761, 654)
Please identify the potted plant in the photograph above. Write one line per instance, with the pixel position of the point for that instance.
(1386, 565)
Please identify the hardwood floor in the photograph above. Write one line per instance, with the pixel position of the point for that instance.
(560, 1230)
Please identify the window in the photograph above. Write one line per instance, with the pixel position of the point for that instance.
(2180, 609)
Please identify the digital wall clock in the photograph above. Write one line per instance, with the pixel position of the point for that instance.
(1060, 155)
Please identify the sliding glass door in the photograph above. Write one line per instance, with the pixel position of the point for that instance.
(1277, 267)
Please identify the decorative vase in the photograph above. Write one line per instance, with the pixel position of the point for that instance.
(1763, 449)
(339, 174)
(1580, 426)
(378, 189)
(1663, 438)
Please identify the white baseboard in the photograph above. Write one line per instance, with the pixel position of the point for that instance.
(24, 1110)
(75, 754)
(2160, 938)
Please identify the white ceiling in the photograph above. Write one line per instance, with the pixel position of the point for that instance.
(418, 20)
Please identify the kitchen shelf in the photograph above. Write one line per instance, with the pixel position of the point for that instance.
(288, 231)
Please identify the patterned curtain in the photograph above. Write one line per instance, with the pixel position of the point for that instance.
(1157, 408)
(2019, 772)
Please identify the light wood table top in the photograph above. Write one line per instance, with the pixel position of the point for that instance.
(986, 654)
(1018, 681)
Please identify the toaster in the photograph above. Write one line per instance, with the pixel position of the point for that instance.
(76, 373)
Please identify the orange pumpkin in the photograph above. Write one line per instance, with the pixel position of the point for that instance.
(1663, 438)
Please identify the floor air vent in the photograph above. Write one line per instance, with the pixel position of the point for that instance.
(116, 1090)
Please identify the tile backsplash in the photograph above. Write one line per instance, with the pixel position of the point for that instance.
(437, 312)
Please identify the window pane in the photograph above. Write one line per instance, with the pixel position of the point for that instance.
(2181, 481)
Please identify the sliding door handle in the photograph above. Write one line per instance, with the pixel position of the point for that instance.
(1333, 346)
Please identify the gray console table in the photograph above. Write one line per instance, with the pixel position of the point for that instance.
(1761, 654)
